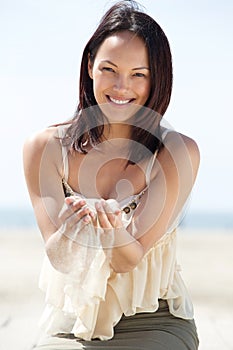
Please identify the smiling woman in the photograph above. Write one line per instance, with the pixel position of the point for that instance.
(107, 189)
(120, 71)
(121, 75)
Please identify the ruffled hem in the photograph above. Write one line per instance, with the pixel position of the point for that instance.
(90, 307)
(157, 276)
(70, 298)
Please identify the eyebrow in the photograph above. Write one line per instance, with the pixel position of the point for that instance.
(113, 64)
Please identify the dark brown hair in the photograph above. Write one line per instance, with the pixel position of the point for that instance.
(88, 121)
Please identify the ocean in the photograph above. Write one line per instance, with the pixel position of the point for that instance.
(19, 218)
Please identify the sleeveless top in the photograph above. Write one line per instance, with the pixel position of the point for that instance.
(90, 301)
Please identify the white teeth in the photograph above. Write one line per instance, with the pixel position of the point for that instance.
(119, 102)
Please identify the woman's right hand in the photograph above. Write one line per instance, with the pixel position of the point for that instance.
(74, 213)
(57, 218)
(63, 246)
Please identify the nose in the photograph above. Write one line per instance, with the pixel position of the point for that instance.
(121, 84)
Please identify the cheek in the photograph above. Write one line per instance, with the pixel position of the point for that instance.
(97, 86)
(100, 83)
(144, 89)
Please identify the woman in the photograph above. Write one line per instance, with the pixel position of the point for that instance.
(107, 189)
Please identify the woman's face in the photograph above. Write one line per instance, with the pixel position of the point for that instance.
(121, 75)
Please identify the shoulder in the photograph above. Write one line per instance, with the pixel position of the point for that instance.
(179, 150)
(180, 144)
(39, 140)
(192, 149)
(42, 144)
(35, 144)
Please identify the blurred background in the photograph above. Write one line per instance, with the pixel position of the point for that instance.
(41, 42)
(41, 46)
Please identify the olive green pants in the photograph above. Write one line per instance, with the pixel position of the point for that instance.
(158, 331)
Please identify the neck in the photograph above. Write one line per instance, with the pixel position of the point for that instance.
(115, 131)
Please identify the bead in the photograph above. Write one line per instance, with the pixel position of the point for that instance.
(133, 205)
(126, 210)
(67, 189)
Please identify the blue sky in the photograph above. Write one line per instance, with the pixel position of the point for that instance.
(41, 42)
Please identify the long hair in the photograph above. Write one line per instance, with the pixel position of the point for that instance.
(124, 15)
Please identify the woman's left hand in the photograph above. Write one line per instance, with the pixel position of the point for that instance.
(108, 214)
(120, 246)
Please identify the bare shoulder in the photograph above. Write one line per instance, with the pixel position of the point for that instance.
(179, 151)
(36, 143)
(42, 146)
(184, 144)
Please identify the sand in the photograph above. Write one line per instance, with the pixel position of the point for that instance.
(206, 258)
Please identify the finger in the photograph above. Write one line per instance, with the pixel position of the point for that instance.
(94, 219)
(102, 216)
(113, 205)
(79, 205)
(78, 217)
(75, 203)
(72, 205)
(72, 228)
(81, 218)
(66, 210)
(110, 214)
(70, 200)
(113, 212)
(72, 216)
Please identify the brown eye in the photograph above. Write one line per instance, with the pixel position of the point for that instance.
(108, 69)
(139, 75)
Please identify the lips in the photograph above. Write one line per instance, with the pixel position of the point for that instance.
(119, 101)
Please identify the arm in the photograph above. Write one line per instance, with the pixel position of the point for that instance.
(55, 215)
(174, 175)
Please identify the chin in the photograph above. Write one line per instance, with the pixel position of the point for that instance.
(119, 113)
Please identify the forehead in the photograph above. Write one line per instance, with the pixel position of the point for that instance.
(123, 46)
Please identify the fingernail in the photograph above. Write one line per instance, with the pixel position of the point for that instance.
(102, 201)
(82, 202)
(86, 219)
(98, 205)
(68, 200)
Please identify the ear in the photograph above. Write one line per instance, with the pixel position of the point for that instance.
(90, 67)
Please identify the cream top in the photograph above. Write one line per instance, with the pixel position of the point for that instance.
(90, 301)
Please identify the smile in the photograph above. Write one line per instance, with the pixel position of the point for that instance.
(119, 102)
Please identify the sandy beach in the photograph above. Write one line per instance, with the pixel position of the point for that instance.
(206, 259)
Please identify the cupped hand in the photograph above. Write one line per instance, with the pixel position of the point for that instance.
(74, 211)
(108, 214)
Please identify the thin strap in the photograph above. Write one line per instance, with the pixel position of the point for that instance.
(64, 154)
(152, 159)
(149, 168)
(66, 164)
(165, 132)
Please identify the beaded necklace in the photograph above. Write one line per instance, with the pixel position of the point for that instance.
(132, 205)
